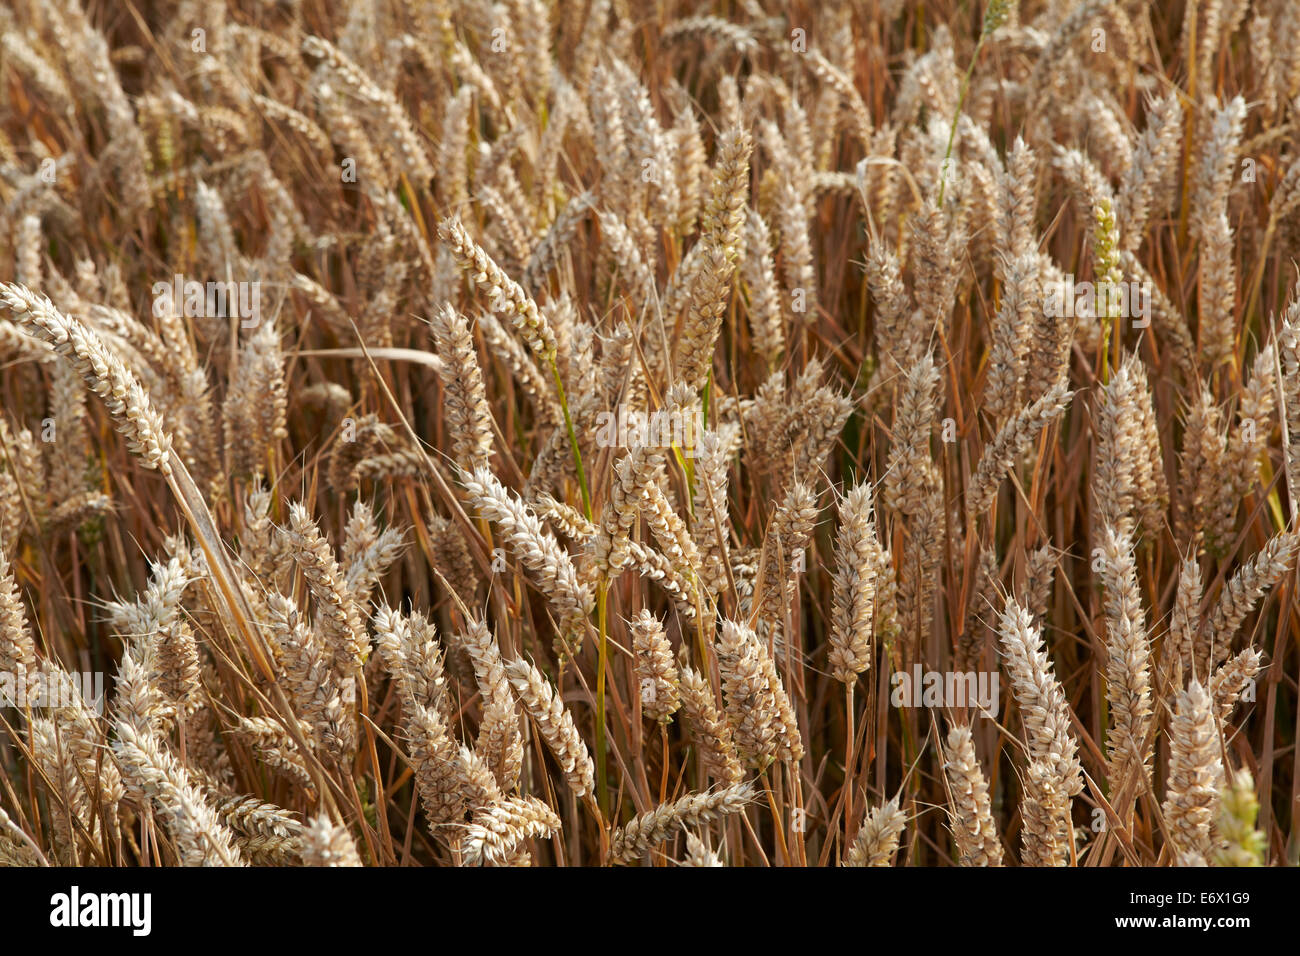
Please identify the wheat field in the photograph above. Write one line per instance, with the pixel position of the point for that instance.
(443, 432)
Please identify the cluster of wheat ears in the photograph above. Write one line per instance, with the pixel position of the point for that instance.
(387, 556)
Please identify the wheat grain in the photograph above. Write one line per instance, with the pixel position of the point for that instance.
(969, 810)
(644, 831)
(877, 839)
